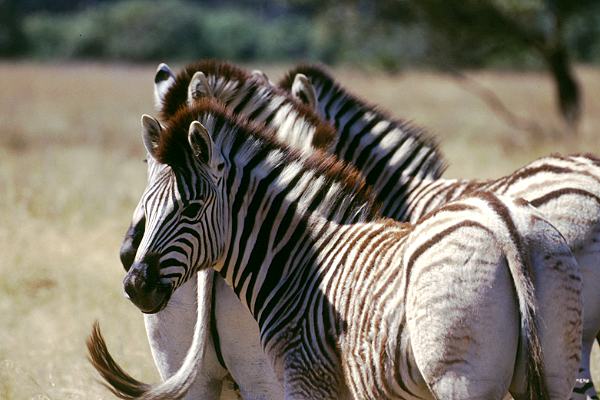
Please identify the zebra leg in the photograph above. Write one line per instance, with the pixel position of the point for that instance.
(302, 371)
(584, 387)
(588, 258)
(170, 333)
(581, 229)
(557, 283)
(308, 385)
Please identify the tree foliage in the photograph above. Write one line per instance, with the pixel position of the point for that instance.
(477, 33)
(497, 27)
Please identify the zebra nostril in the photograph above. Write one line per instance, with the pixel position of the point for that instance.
(130, 287)
(142, 278)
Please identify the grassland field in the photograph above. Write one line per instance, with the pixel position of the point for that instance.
(71, 173)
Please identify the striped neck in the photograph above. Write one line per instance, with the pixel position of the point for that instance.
(390, 154)
(294, 124)
(275, 203)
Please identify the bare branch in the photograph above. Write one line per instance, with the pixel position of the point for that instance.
(497, 106)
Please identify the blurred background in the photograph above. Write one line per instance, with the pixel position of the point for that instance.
(499, 82)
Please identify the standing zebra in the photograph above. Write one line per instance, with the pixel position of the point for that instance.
(169, 332)
(349, 308)
(235, 349)
(565, 189)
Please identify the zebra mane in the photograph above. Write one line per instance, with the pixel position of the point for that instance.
(256, 139)
(176, 96)
(320, 77)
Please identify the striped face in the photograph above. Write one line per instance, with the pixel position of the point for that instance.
(136, 229)
(182, 213)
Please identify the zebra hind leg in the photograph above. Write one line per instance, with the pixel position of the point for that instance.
(584, 387)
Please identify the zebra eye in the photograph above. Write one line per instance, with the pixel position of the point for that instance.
(192, 210)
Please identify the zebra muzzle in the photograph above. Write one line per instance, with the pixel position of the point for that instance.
(143, 288)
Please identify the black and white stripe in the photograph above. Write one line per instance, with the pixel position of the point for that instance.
(389, 153)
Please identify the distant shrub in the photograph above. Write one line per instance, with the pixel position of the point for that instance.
(60, 37)
(275, 30)
(140, 30)
(285, 38)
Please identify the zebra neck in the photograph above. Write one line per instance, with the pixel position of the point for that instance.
(262, 104)
(388, 153)
(268, 255)
(275, 206)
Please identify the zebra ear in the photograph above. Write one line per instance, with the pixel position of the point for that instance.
(198, 88)
(163, 80)
(261, 77)
(304, 91)
(150, 134)
(200, 142)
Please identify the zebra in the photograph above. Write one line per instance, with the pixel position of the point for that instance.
(167, 331)
(241, 353)
(566, 189)
(245, 338)
(349, 307)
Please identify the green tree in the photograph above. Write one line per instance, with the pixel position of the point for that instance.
(12, 38)
(496, 26)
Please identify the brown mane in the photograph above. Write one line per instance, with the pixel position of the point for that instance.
(176, 96)
(319, 74)
(173, 147)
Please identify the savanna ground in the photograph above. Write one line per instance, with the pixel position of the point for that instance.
(71, 172)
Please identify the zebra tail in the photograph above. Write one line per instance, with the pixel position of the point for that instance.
(519, 264)
(122, 385)
(119, 382)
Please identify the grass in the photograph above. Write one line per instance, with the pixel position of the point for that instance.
(71, 174)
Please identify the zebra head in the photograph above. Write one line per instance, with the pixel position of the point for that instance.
(180, 205)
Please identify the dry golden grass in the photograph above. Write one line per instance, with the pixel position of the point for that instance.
(71, 174)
